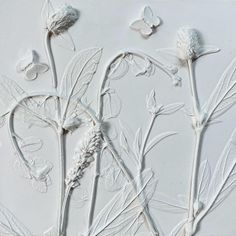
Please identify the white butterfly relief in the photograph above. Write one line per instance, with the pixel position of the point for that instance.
(30, 65)
(147, 25)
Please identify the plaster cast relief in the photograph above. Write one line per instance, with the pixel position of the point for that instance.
(30, 65)
(147, 25)
(108, 152)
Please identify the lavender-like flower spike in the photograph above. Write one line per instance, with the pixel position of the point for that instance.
(62, 19)
(84, 155)
(187, 43)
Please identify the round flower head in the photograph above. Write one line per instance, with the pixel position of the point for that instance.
(62, 19)
(187, 43)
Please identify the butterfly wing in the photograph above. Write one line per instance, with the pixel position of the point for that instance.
(141, 26)
(150, 18)
(25, 61)
(34, 70)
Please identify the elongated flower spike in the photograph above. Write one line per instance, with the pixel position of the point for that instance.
(62, 19)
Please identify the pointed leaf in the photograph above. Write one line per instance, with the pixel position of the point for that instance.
(223, 96)
(78, 74)
(137, 142)
(171, 108)
(10, 225)
(157, 139)
(204, 179)
(120, 213)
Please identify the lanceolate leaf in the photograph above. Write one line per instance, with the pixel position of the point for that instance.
(223, 179)
(158, 139)
(124, 208)
(10, 225)
(118, 69)
(137, 142)
(224, 95)
(171, 108)
(165, 203)
(124, 142)
(79, 74)
(204, 179)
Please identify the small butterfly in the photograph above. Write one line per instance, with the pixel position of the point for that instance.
(30, 65)
(147, 24)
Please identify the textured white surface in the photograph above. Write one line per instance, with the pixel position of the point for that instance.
(106, 24)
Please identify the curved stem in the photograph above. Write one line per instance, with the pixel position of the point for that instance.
(11, 124)
(51, 58)
(123, 54)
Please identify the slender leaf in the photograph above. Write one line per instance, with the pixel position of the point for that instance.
(137, 142)
(223, 178)
(157, 139)
(10, 225)
(171, 108)
(204, 179)
(224, 95)
(122, 210)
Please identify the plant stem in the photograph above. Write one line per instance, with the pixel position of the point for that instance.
(198, 129)
(192, 82)
(64, 210)
(94, 189)
(193, 180)
(61, 143)
(51, 58)
(61, 135)
(142, 151)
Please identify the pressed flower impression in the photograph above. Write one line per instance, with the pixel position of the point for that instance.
(114, 123)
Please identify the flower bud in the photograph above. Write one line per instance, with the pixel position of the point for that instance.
(187, 43)
(61, 20)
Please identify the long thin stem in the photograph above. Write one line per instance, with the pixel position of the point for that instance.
(64, 209)
(193, 180)
(195, 100)
(51, 58)
(94, 189)
(198, 128)
(148, 132)
(61, 144)
(61, 133)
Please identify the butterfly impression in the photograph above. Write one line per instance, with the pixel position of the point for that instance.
(30, 65)
(148, 24)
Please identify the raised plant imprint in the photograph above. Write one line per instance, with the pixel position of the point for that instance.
(64, 110)
(30, 66)
(147, 25)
